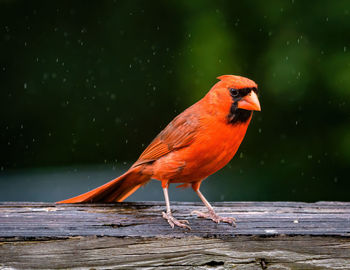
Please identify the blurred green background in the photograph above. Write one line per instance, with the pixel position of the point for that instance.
(86, 85)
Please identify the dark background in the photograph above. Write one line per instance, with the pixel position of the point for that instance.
(86, 85)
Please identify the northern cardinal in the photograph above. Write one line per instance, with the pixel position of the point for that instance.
(197, 143)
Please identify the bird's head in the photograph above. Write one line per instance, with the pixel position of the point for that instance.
(236, 96)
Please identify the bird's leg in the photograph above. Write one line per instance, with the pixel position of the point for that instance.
(169, 216)
(211, 213)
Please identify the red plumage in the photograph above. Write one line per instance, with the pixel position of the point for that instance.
(197, 143)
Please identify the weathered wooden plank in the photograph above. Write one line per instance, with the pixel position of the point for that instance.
(243, 252)
(144, 219)
(269, 235)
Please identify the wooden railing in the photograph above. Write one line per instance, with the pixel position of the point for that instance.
(268, 235)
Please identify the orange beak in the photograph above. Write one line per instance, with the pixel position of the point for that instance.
(250, 102)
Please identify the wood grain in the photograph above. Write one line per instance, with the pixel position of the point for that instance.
(269, 235)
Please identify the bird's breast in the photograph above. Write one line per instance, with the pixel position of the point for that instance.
(214, 146)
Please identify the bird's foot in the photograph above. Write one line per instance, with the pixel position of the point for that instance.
(214, 217)
(173, 221)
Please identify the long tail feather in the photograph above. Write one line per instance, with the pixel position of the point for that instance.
(116, 190)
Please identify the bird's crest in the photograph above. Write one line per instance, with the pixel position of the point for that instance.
(237, 81)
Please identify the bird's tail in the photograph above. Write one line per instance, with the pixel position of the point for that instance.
(116, 190)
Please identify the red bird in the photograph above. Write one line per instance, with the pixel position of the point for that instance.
(197, 143)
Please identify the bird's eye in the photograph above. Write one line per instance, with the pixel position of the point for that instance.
(234, 92)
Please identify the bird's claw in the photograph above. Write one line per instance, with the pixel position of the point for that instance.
(173, 221)
(214, 217)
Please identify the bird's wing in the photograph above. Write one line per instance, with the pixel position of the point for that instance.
(178, 134)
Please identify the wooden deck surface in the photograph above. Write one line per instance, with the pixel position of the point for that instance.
(268, 235)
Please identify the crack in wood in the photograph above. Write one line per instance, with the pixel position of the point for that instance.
(262, 263)
(213, 263)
